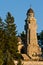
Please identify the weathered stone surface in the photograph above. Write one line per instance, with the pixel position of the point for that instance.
(33, 49)
(25, 57)
(32, 62)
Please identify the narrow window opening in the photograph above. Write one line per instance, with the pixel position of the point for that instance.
(29, 36)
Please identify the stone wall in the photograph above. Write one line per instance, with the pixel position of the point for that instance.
(32, 62)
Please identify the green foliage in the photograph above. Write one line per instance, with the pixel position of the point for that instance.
(1, 57)
(24, 40)
(38, 36)
(1, 41)
(9, 62)
(11, 32)
(23, 37)
(41, 35)
(8, 40)
(41, 39)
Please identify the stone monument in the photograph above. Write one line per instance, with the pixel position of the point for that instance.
(33, 49)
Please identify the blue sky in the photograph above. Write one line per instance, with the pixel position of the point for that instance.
(18, 8)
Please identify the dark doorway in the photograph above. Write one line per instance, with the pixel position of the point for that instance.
(23, 50)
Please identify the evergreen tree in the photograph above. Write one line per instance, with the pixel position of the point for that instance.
(41, 35)
(23, 37)
(1, 41)
(10, 40)
(41, 39)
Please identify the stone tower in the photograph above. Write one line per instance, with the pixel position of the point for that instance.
(33, 49)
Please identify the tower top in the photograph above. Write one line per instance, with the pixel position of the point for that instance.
(30, 10)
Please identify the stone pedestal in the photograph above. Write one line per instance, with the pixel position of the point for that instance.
(34, 52)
